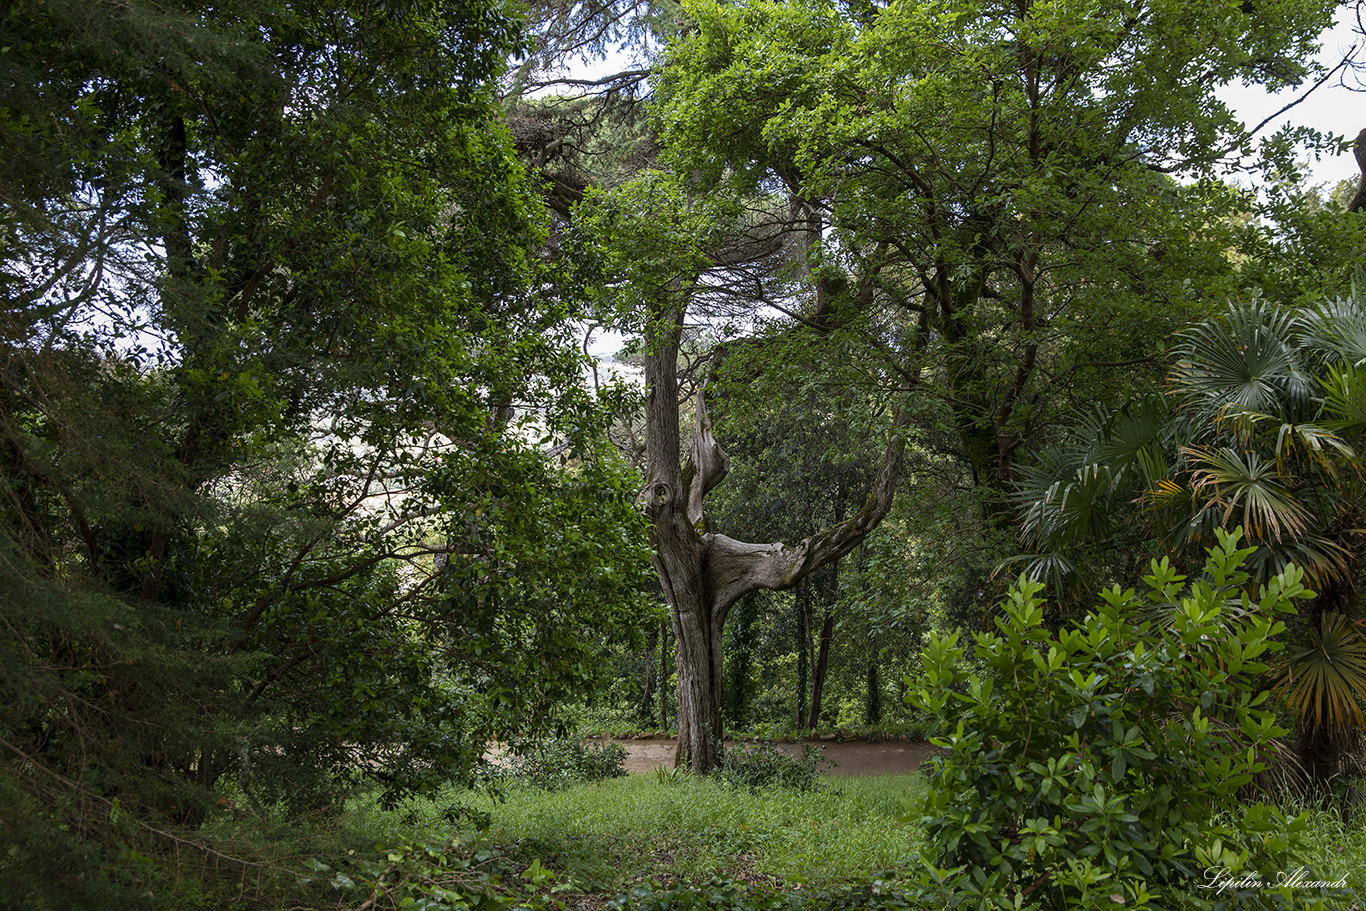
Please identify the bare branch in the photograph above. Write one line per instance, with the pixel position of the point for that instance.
(1344, 62)
(736, 568)
(616, 80)
(710, 464)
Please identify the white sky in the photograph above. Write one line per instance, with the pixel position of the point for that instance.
(1332, 108)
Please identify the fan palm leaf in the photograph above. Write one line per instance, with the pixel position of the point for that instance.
(1322, 559)
(1312, 442)
(1339, 326)
(1246, 362)
(1344, 399)
(1133, 434)
(1326, 682)
(1237, 481)
(1069, 511)
(1055, 569)
(1070, 495)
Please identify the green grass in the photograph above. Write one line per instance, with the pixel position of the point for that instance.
(609, 835)
(1332, 849)
(606, 838)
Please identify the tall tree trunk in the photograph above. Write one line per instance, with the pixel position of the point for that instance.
(802, 603)
(698, 662)
(172, 158)
(830, 592)
(701, 573)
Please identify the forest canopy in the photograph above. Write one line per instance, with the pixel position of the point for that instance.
(309, 487)
(289, 399)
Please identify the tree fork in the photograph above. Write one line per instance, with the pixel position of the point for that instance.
(703, 574)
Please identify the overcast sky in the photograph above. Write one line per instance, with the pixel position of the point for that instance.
(1333, 107)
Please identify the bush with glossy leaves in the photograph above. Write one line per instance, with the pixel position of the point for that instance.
(1108, 762)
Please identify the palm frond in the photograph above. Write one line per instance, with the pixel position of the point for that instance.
(1134, 433)
(1344, 396)
(1154, 466)
(1321, 558)
(1312, 441)
(1339, 326)
(1247, 362)
(1056, 570)
(1327, 681)
(1168, 493)
(1073, 491)
(1230, 479)
(1067, 511)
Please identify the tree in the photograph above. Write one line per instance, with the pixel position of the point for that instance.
(994, 175)
(796, 436)
(657, 254)
(1262, 427)
(300, 483)
(978, 194)
(1298, 244)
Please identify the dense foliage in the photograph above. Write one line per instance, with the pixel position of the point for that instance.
(983, 188)
(306, 495)
(557, 762)
(1261, 425)
(1109, 762)
(299, 484)
(980, 212)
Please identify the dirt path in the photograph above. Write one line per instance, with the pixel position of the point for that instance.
(851, 758)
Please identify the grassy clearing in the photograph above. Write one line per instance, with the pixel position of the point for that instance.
(1334, 849)
(609, 835)
(600, 840)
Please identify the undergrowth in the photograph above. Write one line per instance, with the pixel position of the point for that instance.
(763, 765)
(555, 763)
(613, 835)
(650, 843)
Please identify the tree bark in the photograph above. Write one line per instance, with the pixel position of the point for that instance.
(823, 652)
(703, 574)
(1358, 202)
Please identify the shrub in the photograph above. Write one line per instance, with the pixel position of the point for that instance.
(764, 765)
(557, 762)
(1107, 763)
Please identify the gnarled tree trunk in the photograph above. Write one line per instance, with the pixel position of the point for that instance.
(703, 574)
(1358, 202)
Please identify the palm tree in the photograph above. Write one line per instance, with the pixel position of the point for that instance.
(1261, 425)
